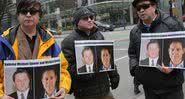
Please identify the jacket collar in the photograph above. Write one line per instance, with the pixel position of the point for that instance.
(46, 39)
(11, 34)
(95, 29)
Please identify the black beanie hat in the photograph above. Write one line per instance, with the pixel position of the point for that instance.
(82, 12)
(135, 2)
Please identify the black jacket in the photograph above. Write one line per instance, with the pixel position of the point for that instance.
(152, 77)
(96, 84)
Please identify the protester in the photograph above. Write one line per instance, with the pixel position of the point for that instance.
(30, 41)
(162, 82)
(93, 85)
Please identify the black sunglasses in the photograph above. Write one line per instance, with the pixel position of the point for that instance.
(142, 6)
(87, 17)
(32, 11)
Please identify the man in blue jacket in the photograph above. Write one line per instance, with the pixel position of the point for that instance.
(29, 41)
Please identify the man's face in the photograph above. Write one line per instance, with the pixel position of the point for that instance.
(176, 52)
(153, 50)
(88, 57)
(21, 81)
(48, 81)
(86, 23)
(105, 57)
(29, 17)
(146, 11)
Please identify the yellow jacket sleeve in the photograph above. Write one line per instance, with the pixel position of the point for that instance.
(1, 79)
(65, 78)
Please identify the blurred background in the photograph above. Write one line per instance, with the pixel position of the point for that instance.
(110, 13)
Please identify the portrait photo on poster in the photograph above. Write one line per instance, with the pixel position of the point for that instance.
(150, 52)
(163, 48)
(32, 79)
(19, 83)
(94, 56)
(48, 83)
(105, 58)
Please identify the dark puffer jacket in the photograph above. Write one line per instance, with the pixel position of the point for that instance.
(97, 84)
(152, 77)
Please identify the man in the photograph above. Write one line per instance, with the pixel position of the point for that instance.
(152, 54)
(21, 82)
(162, 82)
(29, 41)
(49, 79)
(176, 53)
(105, 59)
(88, 59)
(93, 85)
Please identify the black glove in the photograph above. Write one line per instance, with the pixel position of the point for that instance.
(114, 78)
(132, 66)
(115, 82)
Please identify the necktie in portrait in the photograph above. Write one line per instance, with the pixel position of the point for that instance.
(152, 63)
(22, 96)
(89, 69)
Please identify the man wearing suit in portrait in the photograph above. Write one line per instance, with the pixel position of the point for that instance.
(88, 60)
(50, 83)
(176, 53)
(106, 60)
(21, 81)
(152, 54)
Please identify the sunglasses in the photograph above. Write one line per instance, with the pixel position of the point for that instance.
(143, 6)
(32, 11)
(86, 18)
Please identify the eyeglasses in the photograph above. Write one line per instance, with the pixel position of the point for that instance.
(143, 6)
(87, 17)
(32, 11)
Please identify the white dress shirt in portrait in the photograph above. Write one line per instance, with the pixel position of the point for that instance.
(25, 93)
(89, 68)
(153, 62)
(53, 94)
(105, 69)
(181, 65)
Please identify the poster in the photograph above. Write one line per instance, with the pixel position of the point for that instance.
(94, 56)
(163, 49)
(32, 79)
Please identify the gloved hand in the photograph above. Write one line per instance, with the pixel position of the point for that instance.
(114, 78)
(115, 82)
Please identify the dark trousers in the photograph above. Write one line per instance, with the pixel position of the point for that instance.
(176, 94)
(136, 82)
(108, 96)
